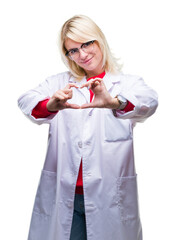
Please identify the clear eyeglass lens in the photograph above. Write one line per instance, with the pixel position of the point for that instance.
(86, 47)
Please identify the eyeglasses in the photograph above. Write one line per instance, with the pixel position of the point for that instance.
(73, 53)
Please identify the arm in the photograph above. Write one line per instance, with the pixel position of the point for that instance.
(29, 101)
(143, 99)
(57, 102)
(41, 111)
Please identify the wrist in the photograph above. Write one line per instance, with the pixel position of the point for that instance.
(48, 107)
(122, 102)
(119, 103)
(115, 104)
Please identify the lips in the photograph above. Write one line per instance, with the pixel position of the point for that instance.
(87, 61)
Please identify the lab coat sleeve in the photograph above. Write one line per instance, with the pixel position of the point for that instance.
(30, 99)
(145, 99)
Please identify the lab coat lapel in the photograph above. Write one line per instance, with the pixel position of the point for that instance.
(109, 80)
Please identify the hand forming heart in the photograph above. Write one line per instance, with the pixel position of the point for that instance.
(102, 98)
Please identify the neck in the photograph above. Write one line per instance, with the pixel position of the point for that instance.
(93, 74)
(101, 75)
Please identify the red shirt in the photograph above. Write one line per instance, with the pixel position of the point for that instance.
(40, 111)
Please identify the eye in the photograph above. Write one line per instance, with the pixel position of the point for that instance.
(73, 51)
(85, 45)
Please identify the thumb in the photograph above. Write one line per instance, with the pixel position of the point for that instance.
(87, 105)
(70, 105)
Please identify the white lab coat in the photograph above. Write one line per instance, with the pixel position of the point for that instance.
(104, 142)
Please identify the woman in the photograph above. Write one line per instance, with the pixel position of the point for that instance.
(88, 186)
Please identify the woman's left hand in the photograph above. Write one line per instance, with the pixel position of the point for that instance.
(102, 98)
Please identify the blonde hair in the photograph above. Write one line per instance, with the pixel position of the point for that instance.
(81, 29)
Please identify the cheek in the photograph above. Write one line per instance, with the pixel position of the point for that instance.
(99, 58)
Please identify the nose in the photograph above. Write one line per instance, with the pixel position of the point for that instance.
(82, 54)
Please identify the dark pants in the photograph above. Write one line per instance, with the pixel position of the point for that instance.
(78, 230)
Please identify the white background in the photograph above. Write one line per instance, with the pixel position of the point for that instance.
(141, 33)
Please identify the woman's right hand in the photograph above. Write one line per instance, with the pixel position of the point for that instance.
(59, 100)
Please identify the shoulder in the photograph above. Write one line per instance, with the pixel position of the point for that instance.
(60, 76)
(123, 78)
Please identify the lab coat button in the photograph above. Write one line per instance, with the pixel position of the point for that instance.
(69, 204)
(80, 144)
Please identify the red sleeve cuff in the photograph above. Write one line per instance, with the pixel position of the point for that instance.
(41, 111)
(129, 107)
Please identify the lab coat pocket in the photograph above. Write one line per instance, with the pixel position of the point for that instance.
(116, 129)
(128, 198)
(46, 193)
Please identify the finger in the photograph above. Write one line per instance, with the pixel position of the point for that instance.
(61, 95)
(74, 106)
(70, 85)
(96, 83)
(87, 105)
(97, 79)
(90, 83)
(67, 91)
(85, 85)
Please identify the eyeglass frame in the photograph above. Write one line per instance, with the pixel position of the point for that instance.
(77, 49)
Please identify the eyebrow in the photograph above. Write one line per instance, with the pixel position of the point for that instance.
(72, 49)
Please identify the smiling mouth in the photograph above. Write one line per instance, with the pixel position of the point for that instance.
(87, 61)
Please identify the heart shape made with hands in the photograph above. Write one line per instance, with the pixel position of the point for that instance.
(102, 98)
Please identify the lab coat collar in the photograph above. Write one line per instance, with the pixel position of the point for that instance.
(110, 79)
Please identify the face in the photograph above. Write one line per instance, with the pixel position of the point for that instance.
(91, 62)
